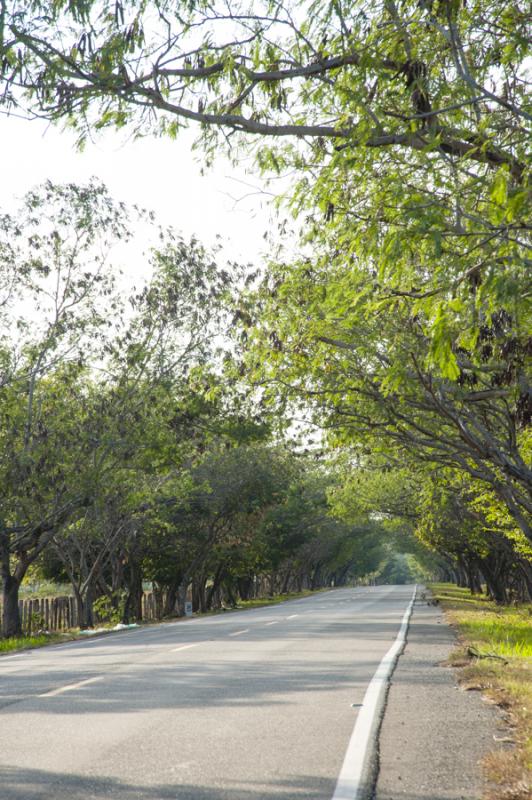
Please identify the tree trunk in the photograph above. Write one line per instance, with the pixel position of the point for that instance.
(461, 573)
(133, 604)
(342, 577)
(245, 587)
(316, 580)
(84, 606)
(495, 582)
(229, 594)
(159, 597)
(473, 579)
(526, 571)
(286, 581)
(117, 572)
(496, 589)
(198, 594)
(181, 596)
(11, 624)
(213, 589)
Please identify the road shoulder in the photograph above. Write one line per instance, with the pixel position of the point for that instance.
(433, 734)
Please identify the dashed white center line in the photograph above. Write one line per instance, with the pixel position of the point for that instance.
(292, 616)
(71, 686)
(273, 623)
(237, 633)
(184, 647)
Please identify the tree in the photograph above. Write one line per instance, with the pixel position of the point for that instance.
(405, 130)
(370, 381)
(93, 391)
(372, 77)
(232, 489)
(405, 127)
(56, 246)
(449, 524)
(453, 523)
(308, 545)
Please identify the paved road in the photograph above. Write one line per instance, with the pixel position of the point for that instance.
(253, 705)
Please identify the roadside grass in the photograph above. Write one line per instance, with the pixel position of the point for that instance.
(495, 656)
(31, 642)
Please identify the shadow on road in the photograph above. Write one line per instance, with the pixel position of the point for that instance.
(32, 784)
(219, 683)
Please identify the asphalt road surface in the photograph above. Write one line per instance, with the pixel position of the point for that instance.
(251, 705)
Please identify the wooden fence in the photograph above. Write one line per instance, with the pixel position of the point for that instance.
(57, 614)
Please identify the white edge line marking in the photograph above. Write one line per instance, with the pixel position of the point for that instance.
(70, 687)
(18, 655)
(350, 780)
(237, 633)
(292, 616)
(184, 647)
(76, 642)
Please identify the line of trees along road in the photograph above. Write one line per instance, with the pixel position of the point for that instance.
(127, 456)
(402, 324)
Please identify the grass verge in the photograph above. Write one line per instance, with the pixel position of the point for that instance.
(30, 642)
(495, 656)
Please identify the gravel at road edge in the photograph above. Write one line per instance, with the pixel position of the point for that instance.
(433, 734)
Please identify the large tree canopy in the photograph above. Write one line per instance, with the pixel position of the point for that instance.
(368, 377)
(373, 74)
(405, 127)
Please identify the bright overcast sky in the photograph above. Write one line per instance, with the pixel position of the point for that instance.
(158, 174)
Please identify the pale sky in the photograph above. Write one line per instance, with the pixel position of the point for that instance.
(159, 174)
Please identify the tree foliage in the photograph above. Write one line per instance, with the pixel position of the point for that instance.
(403, 320)
(127, 454)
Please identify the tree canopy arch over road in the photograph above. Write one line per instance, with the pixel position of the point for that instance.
(405, 128)
(404, 320)
(370, 74)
